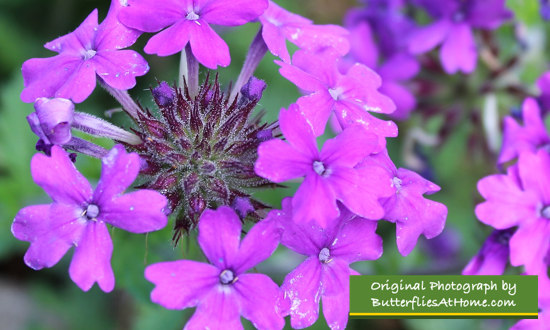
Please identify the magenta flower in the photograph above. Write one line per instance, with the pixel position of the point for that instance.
(88, 51)
(492, 258)
(454, 21)
(51, 122)
(413, 214)
(221, 290)
(350, 96)
(330, 175)
(79, 216)
(188, 21)
(529, 137)
(325, 273)
(521, 198)
(279, 25)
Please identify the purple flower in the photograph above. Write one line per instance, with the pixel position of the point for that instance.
(79, 216)
(529, 137)
(413, 214)
(221, 290)
(51, 122)
(330, 175)
(350, 96)
(188, 21)
(543, 83)
(493, 255)
(454, 20)
(88, 51)
(279, 25)
(521, 198)
(395, 70)
(325, 273)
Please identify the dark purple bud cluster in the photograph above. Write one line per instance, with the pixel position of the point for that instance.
(200, 151)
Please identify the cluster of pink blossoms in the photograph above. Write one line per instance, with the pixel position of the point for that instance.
(347, 186)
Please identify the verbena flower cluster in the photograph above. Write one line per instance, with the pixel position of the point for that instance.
(202, 152)
(517, 204)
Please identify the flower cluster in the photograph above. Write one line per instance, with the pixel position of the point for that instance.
(517, 207)
(200, 154)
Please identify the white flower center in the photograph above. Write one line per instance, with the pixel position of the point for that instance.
(192, 16)
(227, 277)
(324, 256)
(545, 212)
(92, 211)
(89, 54)
(320, 168)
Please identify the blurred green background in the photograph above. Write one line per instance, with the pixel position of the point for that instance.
(47, 299)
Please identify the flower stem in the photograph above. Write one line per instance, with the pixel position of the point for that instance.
(192, 72)
(125, 100)
(256, 53)
(102, 128)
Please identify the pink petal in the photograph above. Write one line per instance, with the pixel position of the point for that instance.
(79, 84)
(43, 77)
(336, 294)
(59, 178)
(404, 100)
(507, 205)
(111, 34)
(51, 230)
(258, 300)
(302, 238)
(219, 309)
(92, 258)
(359, 190)
(349, 147)
(302, 288)
(533, 170)
(315, 201)
(231, 12)
(171, 40)
(152, 15)
(356, 241)
(78, 40)
(314, 38)
(399, 67)
(258, 245)
(458, 52)
(137, 212)
(275, 41)
(428, 37)
(207, 46)
(181, 284)
(119, 169)
(120, 68)
(219, 236)
(304, 80)
(279, 162)
(297, 130)
(317, 107)
(363, 45)
(527, 236)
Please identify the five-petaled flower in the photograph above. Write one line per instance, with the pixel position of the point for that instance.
(88, 51)
(79, 215)
(221, 289)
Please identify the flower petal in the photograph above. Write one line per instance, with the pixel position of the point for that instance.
(120, 68)
(522, 243)
(207, 46)
(92, 258)
(458, 52)
(152, 15)
(119, 169)
(219, 236)
(181, 284)
(302, 288)
(275, 41)
(51, 230)
(336, 304)
(428, 37)
(258, 299)
(231, 12)
(219, 309)
(169, 41)
(137, 212)
(279, 162)
(315, 201)
(111, 33)
(534, 174)
(59, 178)
(317, 107)
(349, 147)
(258, 245)
(356, 241)
(298, 131)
